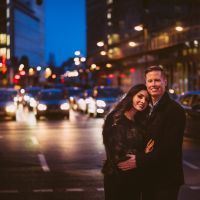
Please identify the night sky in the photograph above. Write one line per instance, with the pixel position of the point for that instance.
(65, 28)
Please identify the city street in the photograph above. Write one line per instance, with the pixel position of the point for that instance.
(62, 159)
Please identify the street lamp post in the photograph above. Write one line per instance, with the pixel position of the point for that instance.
(141, 27)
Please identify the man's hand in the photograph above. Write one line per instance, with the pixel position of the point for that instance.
(128, 164)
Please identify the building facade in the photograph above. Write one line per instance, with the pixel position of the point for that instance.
(21, 35)
(125, 37)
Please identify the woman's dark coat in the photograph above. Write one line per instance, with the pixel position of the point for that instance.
(121, 138)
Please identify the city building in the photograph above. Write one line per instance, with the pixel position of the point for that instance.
(125, 37)
(21, 36)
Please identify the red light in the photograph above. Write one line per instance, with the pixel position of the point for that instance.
(132, 70)
(17, 76)
(4, 68)
(4, 59)
(62, 80)
(22, 73)
(110, 76)
(122, 76)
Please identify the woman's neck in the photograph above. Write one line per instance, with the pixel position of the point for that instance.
(130, 114)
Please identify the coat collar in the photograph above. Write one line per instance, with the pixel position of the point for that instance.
(163, 100)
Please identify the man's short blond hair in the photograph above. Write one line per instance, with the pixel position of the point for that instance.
(156, 68)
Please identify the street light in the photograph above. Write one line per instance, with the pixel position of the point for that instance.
(139, 28)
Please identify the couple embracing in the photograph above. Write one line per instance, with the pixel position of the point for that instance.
(143, 138)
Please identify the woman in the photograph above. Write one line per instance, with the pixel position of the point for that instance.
(123, 134)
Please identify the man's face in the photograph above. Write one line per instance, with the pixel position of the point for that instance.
(156, 84)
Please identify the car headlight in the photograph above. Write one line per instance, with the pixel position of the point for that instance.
(42, 107)
(101, 103)
(26, 98)
(11, 108)
(33, 102)
(64, 106)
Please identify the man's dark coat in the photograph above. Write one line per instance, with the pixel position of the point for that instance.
(163, 165)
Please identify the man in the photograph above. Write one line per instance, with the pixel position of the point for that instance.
(161, 162)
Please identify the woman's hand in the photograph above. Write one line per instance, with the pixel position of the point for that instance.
(128, 164)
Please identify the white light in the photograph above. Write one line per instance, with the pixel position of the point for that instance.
(179, 28)
(76, 59)
(109, 16)
(64, 106)
(22, 91)
(38, 68)
(83, 59)
(132, 44)
(77, 53)
(42, 107)
(101, 103)
(100, 110)
(138, 28)
(21, 67)
(196, 42)
(26, 97)
(33, 102)
(93, 66)
(71, 73)
(103, 53)
(11, 108)
(100, 44)
(171, 91)
(77, 63)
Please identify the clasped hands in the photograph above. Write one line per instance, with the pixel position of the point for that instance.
(128, 164)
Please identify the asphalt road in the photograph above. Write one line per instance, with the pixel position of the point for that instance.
(61, 159)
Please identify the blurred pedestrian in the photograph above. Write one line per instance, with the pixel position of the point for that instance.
(123, 134)
(161, 161)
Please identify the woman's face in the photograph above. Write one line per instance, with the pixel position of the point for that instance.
(141, 100)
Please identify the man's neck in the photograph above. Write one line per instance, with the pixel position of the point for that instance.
(155, 99)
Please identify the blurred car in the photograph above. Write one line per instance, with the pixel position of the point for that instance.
(172, 94)
(83, 100)
(52, 102)
(8, 107)
(102, 100)
(190, 101)
(73, 94)
(30, 97)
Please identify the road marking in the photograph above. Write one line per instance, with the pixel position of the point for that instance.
(194, 187)
(43, 163)
(43, 190)
(9, 191)
(74, 190)
(100, 189)
(190, 165)
(34, 140)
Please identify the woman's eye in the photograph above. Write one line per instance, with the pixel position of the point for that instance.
(140, 96)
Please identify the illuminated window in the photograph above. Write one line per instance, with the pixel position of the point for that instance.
(114, 38)
(8, 54)
(109, 15)
(8, 40)
(109, 23)
(2, 38)
(8, 12)
(109, 1)
(2, 51)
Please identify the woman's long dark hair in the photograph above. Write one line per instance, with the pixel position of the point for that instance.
(125, 104)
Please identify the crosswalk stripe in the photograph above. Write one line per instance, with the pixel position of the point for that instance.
(74, 190)
(190, 165)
